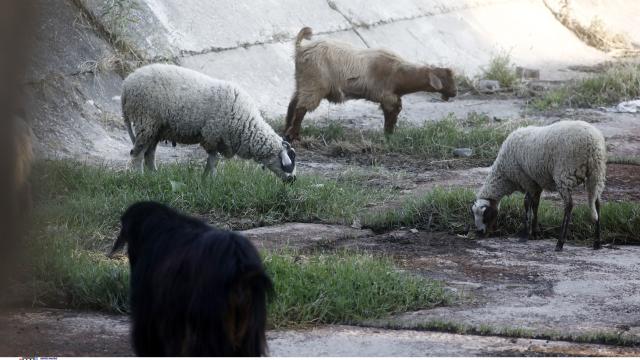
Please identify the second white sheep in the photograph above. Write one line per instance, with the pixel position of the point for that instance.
(557, 157)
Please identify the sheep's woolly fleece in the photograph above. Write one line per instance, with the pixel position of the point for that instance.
(193, 108)
(558, 157)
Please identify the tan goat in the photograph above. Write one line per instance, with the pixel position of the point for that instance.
(336, 71)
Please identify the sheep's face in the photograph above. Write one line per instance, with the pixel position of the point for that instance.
(284, 164)
(485, 215)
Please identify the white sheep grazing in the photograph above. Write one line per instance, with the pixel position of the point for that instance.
(336, 71)
(168, 102)
(558, 157)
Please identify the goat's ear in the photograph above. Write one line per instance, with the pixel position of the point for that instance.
(434, 81)
(286, 145)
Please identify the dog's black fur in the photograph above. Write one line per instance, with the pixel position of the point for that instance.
(195, 290)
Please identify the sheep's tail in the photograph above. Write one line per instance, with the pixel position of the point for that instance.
(127, 121)
(596, 177)
(305, 33)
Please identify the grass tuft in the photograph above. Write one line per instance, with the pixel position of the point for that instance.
(343, 288)
(619, 82)
(501, 69)
(449, 210)
(433, 140)
(599, 337)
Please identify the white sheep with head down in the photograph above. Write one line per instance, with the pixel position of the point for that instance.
(557, 157)
(168, 102)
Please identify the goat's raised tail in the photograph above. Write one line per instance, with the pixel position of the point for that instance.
(305, 33)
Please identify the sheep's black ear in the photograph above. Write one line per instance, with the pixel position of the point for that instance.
(490, 217)
(434, 81)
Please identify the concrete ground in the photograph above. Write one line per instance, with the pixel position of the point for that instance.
(51, 332)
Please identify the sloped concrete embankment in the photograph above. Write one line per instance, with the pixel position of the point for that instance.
(75, 82)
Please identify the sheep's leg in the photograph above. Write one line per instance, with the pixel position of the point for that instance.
(293, 133)
(144, 139)
(137, 155)
(391, 109)
(568, 207)
(527, 219)
(598, 235)
(150, 157)
(534, 222)
(210, 167)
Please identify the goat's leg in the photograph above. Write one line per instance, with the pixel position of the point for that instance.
(525, 233)
(290, 111)
(391, 109)
(568, 207)
(293, 133)
(598, 235)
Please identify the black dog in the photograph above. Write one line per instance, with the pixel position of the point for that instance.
(195, 290)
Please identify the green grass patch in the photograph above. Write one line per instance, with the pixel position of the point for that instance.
(598, 337)
(89, 199)
(343, 288)
(617, 83)
(624, 160)
(67, 275)
(77, 219)
(449, 210)
(434, 140)
(501, 69)
(309, 289)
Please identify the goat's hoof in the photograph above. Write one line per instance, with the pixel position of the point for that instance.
(558, 248)
(522, 239)
(597, 246)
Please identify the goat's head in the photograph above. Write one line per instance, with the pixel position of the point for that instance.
(485, 215)
(443, 81)
(283, 163)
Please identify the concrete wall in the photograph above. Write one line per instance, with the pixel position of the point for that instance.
(250, 43)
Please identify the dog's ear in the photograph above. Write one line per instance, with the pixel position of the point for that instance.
(246, 305)
(119, 244)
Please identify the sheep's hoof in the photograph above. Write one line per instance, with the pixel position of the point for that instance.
(523, 239)
(597, 246)
(558, 247)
